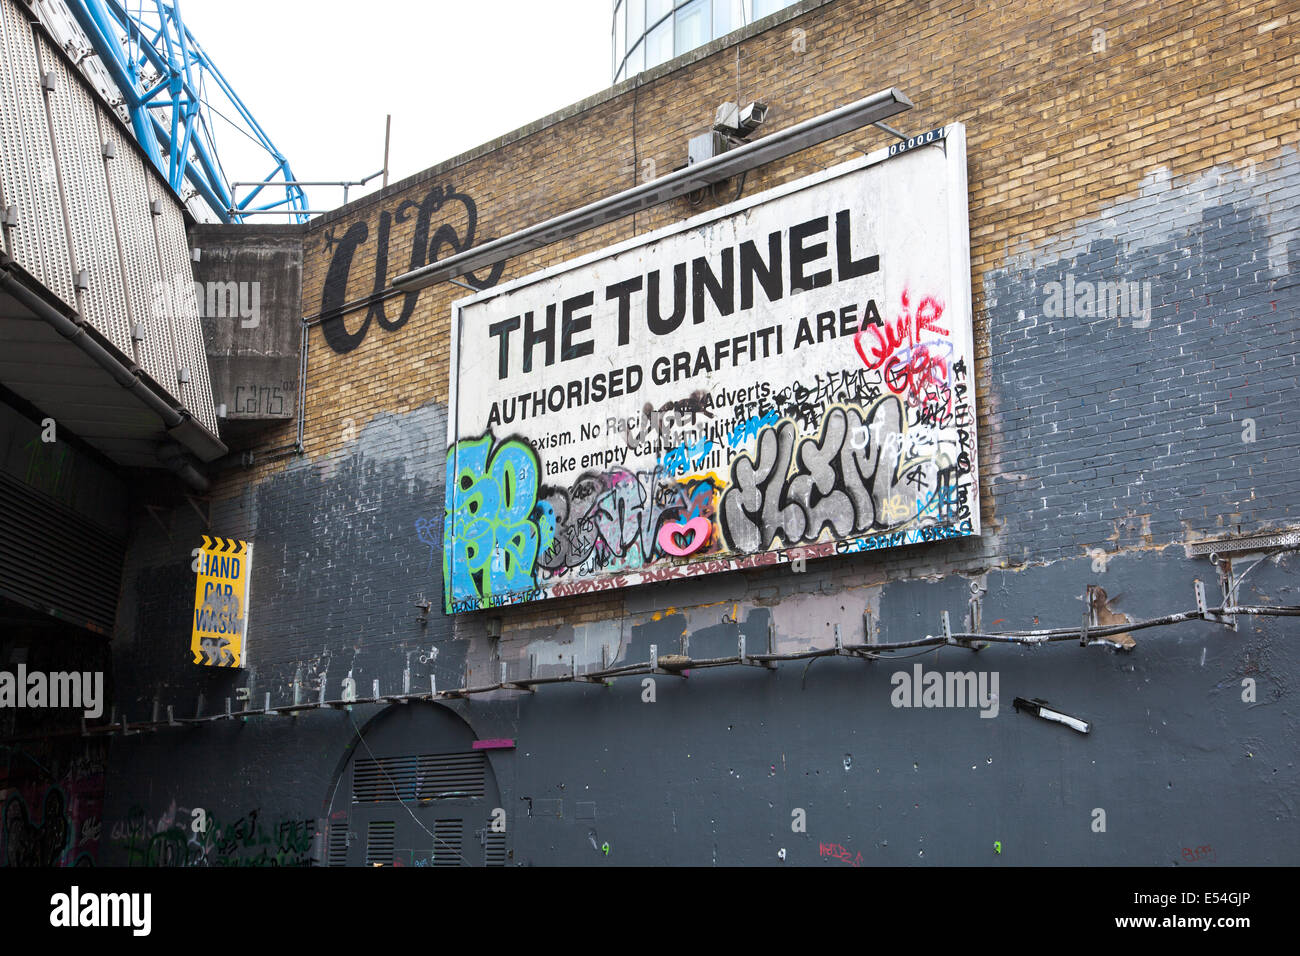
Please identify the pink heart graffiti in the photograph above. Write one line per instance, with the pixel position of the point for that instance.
(698, 527)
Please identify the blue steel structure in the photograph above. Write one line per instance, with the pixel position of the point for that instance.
(163, 75)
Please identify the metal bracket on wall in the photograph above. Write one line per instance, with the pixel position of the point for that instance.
(1211, 614)
(747, 660)
(1087, 616)
(510, 685)
(666, 663)
(946, 624)
(1229, 583)
(573, 669)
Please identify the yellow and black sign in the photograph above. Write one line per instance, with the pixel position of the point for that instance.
(221, 591)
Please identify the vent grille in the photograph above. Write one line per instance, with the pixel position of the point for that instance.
(338, 845)
(494, 849)
(422, 777)
(380, 840)
(447, 836)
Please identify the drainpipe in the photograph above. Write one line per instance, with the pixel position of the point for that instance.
(177, 462)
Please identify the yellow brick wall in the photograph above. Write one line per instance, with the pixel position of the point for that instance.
(1068, 106)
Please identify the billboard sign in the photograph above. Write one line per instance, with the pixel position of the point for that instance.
(786, 377)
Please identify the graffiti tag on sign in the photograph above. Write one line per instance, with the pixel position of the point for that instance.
(790, 376)
(222, 567)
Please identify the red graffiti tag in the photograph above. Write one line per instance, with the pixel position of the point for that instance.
(837, 852)
(909, 362)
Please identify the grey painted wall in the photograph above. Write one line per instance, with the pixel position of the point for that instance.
(1111, 443)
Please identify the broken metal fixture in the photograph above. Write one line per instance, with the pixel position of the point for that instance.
(1038, 707)
(424, 606)
(1284, 539)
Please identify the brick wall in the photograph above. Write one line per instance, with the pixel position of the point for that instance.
(1152, 144)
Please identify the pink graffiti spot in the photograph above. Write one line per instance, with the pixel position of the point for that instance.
(698, 527)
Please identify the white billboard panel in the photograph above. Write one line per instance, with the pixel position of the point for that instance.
(786, 377)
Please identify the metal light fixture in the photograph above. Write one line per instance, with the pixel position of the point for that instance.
(774, 146)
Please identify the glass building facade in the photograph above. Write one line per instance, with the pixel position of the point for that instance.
(646, 33)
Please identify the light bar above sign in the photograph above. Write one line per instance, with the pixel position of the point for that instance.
(783, 378)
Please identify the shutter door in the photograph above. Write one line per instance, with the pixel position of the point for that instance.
(54, 560)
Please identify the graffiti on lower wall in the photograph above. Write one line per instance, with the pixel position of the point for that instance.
(51, 807)
(194, 837)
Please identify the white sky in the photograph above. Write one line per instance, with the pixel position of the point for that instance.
(320, 76)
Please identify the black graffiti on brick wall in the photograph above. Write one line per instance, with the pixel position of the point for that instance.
(840, 479)
(425, 249)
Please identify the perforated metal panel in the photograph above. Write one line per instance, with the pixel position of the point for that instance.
(39, 242)
(187, 329)
(143, 277)
(85, 195)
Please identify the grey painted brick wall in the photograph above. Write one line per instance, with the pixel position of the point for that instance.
(1104, 437)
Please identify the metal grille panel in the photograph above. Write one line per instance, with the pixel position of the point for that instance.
(39, 241)
(337, 853)
(447, 837)
(85, 193)
(187, 330)
(423, 777)
(494, 849)
(126, 181)
(381, 836)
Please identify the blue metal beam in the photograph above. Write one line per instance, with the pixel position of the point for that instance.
(179, 144)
